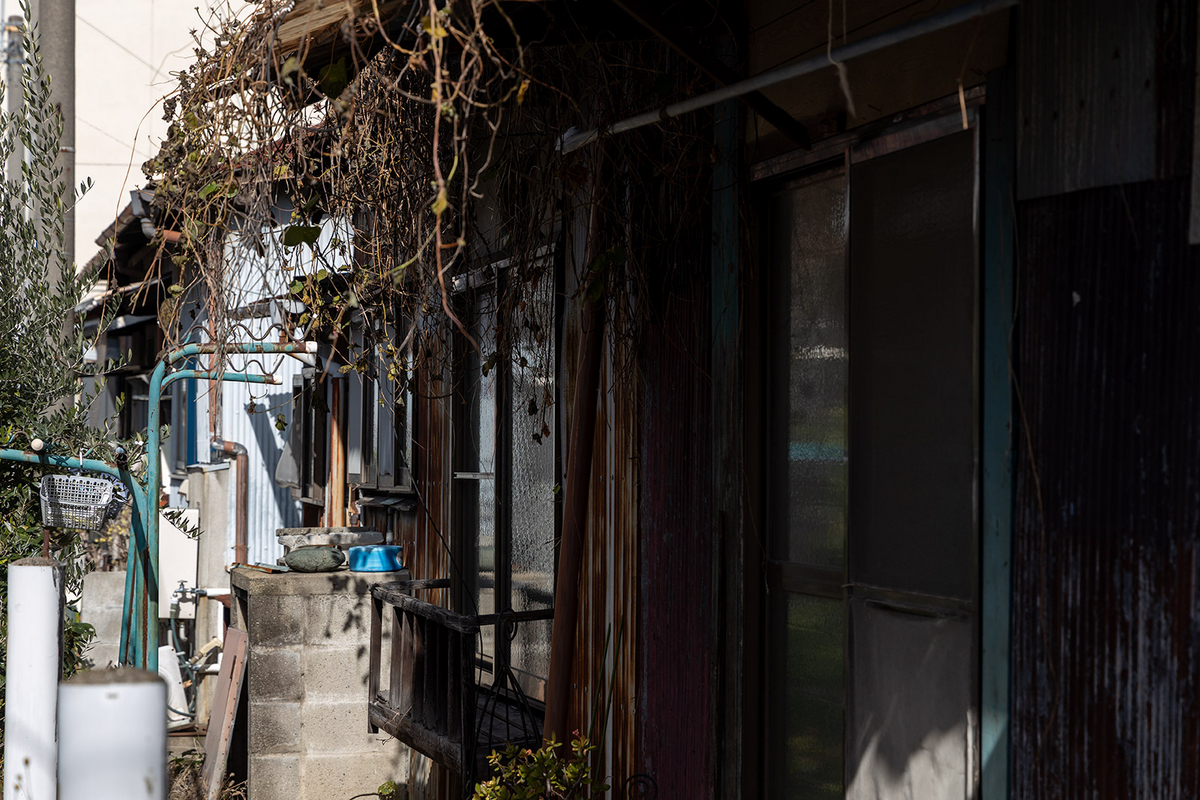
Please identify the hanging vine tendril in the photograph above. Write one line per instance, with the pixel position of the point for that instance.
(354, 197)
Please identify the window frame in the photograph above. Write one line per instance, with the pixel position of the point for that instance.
(840, 154)
(309, 432)
(467, 290)
(369, 426)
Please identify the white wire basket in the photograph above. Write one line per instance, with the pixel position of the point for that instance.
(73, 501)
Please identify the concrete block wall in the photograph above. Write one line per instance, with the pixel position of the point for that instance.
(101, 607)
(307, 678)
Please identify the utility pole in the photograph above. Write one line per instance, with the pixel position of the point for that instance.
(14, 57)
(56, 27)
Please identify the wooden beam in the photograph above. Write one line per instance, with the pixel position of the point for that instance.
(575, 505)
(714, 68)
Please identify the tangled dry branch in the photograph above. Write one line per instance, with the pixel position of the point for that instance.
(357, 196)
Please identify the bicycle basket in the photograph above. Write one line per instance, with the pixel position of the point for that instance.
(73, 501)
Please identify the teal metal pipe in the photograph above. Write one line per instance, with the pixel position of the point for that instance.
(147, 632)
(235, 377)
(135, 569)
(67, 462)
(137, 493)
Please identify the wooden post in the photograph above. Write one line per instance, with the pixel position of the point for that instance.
(570, 552)
(579, 478)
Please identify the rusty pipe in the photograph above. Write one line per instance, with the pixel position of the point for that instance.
(241, 458)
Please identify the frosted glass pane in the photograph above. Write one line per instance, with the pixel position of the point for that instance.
(910, 705)
(913, 379)
(810, 730)
(808, 241)
(479, 490)
(534, 478)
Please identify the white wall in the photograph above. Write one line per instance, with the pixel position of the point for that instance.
(125, 51)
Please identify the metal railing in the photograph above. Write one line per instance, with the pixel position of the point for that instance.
(433, 702)
(139, 619)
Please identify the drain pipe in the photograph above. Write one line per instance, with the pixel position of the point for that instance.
(240, 548)
(35, 623)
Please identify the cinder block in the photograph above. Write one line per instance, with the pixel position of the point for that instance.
(340, 728)
(338, 619)
(332, 776)
(274, 727)
(101, 654)
(275, 777)
(106, 620)
(336, 673)
(275, 674)
(277, 620)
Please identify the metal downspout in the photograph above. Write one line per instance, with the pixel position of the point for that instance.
(240, 547)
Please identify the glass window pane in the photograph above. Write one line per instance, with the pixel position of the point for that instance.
(912, 291)
(809, 679)
(478, 486)
(808, 249)
(534, 478)
(910, 705)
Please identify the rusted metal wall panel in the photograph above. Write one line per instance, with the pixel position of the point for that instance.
(425, 533)
(1106, 589)
(1103, 85)
(604, 703)
(676, 571)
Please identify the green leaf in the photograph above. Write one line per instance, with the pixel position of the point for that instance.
(333, 81)
(300, 234)
(209, 189)
(441, 203)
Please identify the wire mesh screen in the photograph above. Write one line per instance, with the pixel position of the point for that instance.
(73, 501)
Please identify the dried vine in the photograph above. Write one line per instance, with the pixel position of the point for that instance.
(354, 198)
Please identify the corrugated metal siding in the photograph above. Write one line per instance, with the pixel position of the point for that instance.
(426, 535)
(269, 506)
(676, 554)
(604, 701)
(1106, 588)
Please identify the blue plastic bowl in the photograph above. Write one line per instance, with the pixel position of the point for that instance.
(375, 558)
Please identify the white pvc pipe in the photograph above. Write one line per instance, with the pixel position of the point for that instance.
(112, 734)
(177, 704)
(35, 608)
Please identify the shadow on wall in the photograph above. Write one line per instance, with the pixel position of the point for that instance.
(262, 422)
(910, 704)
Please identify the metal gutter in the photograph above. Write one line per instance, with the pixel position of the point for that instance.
(574, 139)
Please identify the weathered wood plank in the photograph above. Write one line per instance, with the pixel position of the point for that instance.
(396, 696)
(394, 595)
(486, 620)
(406, 659)
(453, 686)
(419, 667)
(404, 728)
(466, 708)
(374, 655)
(435, 669)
